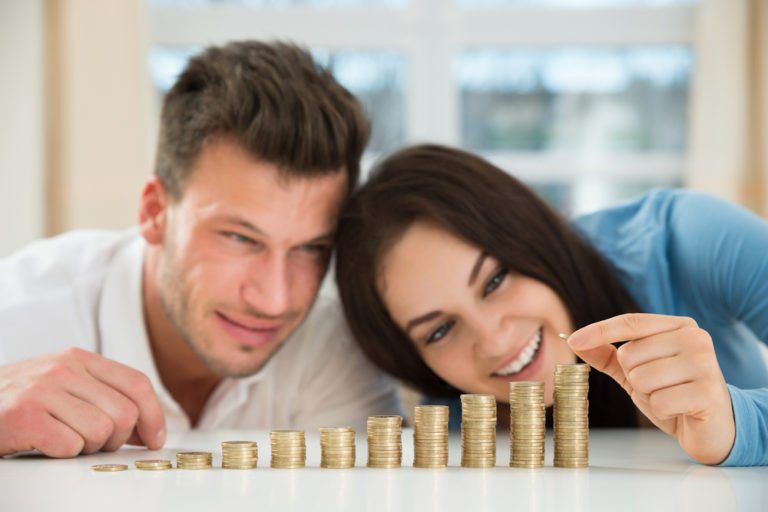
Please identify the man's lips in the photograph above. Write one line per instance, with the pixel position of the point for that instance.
(254, 334)
(249, 322)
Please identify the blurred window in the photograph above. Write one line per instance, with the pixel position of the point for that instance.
(585, 100)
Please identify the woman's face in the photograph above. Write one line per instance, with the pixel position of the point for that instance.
(476, 325)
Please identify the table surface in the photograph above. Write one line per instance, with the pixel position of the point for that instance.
(629, 470)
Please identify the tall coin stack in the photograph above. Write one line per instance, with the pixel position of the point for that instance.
(478, 431)
(430, 436)
(571, 416)
(289, 449)
(194, 460)
(239, 455)
(385, 441)
(337, 447)
(527, 424)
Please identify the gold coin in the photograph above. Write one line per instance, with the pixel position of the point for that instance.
(109, 468)
(153, 464)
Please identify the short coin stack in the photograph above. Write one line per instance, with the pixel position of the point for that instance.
(478, 431)
(109, 468)
(194, 460)
(430, 436)
(385, 441)
(571, 416)
(289, 449)
(239, 455)
(527, 424)
(153, 464)
(337, 447)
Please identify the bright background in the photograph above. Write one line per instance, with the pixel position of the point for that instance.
(589, 101)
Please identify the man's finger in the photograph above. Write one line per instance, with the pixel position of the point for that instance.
(136, 386)
(91, 423)
(121, 410)
(55, 439)
(630, 326)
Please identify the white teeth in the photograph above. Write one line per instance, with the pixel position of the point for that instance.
(525, 357)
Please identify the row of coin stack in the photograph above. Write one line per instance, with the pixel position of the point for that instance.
(430, 434)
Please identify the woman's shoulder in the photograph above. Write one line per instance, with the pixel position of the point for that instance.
(660, 211)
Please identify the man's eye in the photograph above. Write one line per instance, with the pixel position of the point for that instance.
(495, 281)
(441, 331)
(315, 249)
(235, 237)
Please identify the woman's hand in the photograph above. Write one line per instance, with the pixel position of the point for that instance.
(668, 367)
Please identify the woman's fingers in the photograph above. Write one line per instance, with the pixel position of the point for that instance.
(604, 359)
(631, 326)
(644, 350)
(661, 373)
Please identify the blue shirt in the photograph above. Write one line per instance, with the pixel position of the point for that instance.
(679, 252)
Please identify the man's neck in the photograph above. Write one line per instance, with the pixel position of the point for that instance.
(189, 381)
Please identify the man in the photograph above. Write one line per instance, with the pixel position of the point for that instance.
(206, 315)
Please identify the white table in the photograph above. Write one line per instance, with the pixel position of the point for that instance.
(629, 470)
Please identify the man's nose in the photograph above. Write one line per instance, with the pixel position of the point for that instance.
(266, 287)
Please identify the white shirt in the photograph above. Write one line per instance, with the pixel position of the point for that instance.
(83, 289)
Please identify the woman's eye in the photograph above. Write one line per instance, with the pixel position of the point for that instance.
(495, 281)
(441, 331)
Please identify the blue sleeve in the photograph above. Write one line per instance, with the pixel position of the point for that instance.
(721, 250)
(750, 410)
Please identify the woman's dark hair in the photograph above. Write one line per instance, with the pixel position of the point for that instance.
(490, 209)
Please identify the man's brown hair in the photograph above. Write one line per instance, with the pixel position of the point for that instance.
(273, 100)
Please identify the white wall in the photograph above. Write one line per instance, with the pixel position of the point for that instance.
(22, 141)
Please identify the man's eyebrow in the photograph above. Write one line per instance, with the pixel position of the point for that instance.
(421, 319)
(476, 268)
(243, 223)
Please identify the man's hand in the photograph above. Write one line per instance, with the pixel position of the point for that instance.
(668, 367)
(76, 402)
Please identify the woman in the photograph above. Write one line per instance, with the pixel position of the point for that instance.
(455, 278)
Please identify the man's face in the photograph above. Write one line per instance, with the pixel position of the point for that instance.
(243, 255)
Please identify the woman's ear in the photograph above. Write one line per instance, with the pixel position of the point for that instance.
(153, 211)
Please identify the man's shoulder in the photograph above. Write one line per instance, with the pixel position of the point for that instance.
(59, 261)
(49, 292)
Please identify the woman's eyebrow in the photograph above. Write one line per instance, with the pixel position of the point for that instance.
(421, 319)
(476, 268)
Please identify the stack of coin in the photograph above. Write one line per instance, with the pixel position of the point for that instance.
(153, 464)
(239, 455)
(337, 447)
(478, 431)
(289, 449)
(194, 460)
(571, 416)
(527, 424)
(430, 436)
(385, 441)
